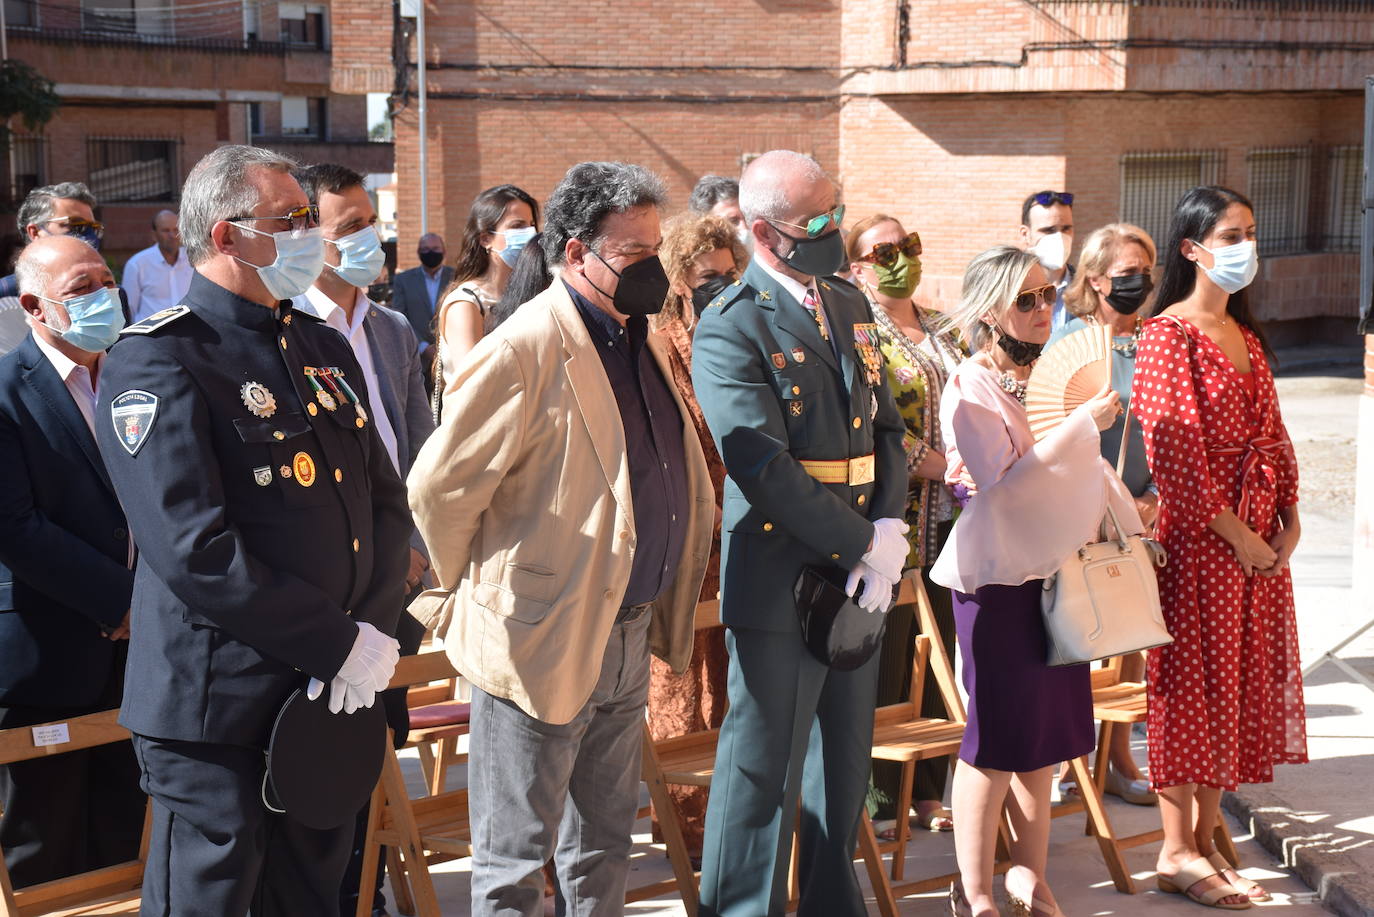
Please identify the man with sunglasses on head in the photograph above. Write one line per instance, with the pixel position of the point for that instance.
(786, 369)
(64, 209)
(1047, 232)
(273, 537)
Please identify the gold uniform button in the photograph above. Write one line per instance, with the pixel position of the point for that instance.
(278, 435)
(768, 526)
(360, 422)
(834, 557)
(338, 476)
(858, 422)
(356, 545)
(312, 409)
(860, 500)
(796, 389)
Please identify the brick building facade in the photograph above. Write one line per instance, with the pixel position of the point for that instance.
(944, 113)
(146, 91)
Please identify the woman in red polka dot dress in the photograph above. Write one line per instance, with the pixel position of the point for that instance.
(1225, 698)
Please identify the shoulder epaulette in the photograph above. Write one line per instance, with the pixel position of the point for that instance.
(735, 292)
(157, 320)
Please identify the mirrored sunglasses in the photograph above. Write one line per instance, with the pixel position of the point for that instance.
(817, 225)
(1027, 300)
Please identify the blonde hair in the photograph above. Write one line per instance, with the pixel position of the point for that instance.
(991, 282)
(686, 237)
(1095, 259)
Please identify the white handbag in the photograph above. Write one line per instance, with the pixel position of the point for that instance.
(1104, 601)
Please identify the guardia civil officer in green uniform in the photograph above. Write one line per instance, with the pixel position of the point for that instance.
(792, 388)
(273, 540)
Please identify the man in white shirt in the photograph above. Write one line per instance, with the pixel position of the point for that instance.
(388, 354)
(157, 277)
(66, 574)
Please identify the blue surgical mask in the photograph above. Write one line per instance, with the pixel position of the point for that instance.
(516, 240)
(300, 258)
(96, 318)
(1233, 266)
(360, 256)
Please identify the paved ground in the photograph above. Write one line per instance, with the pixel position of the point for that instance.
(1317, 819)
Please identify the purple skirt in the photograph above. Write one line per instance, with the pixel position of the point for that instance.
(1022, 714)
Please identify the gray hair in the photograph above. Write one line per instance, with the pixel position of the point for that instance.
(991, 282)
(220, 188)
(590, 192)
(31, 276)
(710, 190)
(37, 207)
(761, 193)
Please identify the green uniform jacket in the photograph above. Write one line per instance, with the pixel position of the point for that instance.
(773, 394)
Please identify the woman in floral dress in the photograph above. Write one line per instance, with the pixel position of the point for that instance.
(1226, 700)
(886, 264)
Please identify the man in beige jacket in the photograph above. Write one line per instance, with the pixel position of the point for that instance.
(568, 508)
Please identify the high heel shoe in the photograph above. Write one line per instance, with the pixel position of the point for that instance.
(1036, 907)
(958, 904)
(1136, 792)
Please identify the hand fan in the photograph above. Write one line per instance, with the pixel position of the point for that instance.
(1066, 375)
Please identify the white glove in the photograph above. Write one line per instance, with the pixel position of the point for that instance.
(890, 549)
(342, 696)
(877, 594)
(372, 660)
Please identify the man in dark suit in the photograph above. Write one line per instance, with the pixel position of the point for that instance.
(792, 386)
(65, 577)
(415, 293)
(272, 531)
(387, 352)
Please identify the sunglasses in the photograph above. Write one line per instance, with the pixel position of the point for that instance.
(885, 254)
(1048, 198)
(1027, 300)
(816, 225)
(300, 219)
(77, 226)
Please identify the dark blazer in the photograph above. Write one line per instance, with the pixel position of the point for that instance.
(773, 394)
(64, 543)
(265, 530)
(410, 297)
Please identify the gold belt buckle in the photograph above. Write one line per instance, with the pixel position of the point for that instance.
(861, 470)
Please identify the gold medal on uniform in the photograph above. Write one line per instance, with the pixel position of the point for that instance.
(325, 399)
(866, 346)
(258, 400)
(305, 468)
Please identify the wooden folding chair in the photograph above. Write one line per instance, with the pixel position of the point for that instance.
(416, 833)
(110, 890)
(437, 721)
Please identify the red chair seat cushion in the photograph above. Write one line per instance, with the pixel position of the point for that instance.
(433, 715)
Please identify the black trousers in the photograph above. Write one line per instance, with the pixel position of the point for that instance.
(74, 812)
(217, 851)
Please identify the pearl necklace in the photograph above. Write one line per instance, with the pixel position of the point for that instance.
(1013, 386)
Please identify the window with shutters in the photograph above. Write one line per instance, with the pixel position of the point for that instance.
(1153, 182)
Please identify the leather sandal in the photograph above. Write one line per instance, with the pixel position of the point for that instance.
(1247, 887)
(1199, 870)
(936, 820)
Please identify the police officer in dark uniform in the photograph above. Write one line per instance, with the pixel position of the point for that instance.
(786, 368)
(273, 535)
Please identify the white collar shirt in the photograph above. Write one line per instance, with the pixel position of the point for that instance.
(797, 290)
(75, 377)
(317, 303)
(152, 284)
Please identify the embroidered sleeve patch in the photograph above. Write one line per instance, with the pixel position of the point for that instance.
(133, 413)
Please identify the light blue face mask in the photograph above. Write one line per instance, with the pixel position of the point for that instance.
(360, 256)
(516, 240)
(96, 319)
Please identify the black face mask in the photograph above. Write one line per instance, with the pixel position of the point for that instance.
(643, 287)
(1022, 353)
(431, 260)
(1129, 293)
(819, 257)
(706, 294)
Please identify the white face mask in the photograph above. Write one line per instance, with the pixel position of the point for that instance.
(360, 256)
(1233, 266)
(1052, 251)
(300, 258)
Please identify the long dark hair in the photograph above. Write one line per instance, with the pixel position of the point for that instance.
(528, 278)
(1195, 216)
(473, 260)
